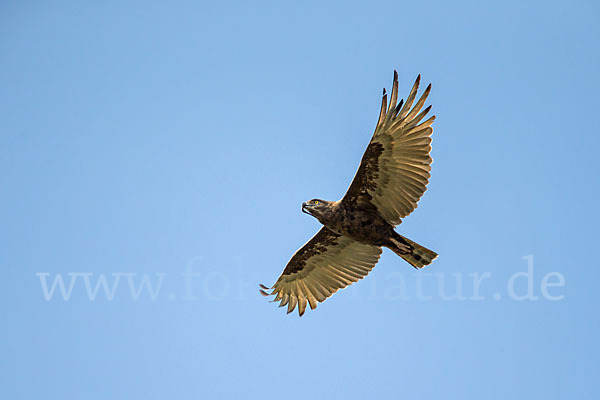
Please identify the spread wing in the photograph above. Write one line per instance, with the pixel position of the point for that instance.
(326, 263)
(394, 171)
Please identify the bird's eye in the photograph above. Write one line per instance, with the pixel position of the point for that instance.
(316, 202)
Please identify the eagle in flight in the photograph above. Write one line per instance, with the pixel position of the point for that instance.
(392, 176)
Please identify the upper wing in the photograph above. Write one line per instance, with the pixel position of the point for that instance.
(326, 263)
(394, 171)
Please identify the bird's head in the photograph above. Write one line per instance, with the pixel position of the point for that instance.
(316, 207)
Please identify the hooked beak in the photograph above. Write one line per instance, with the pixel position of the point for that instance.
(305, 208)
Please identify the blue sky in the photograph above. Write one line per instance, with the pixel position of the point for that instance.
(144, 140)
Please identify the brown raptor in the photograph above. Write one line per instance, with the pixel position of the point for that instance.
(392, 176)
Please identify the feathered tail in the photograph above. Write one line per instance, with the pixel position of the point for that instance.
(413, 253)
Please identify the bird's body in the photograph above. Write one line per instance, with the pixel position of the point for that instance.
(361, 225)
(391, 178)
(368, 227)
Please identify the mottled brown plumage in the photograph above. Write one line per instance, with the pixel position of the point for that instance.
(392, 177)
